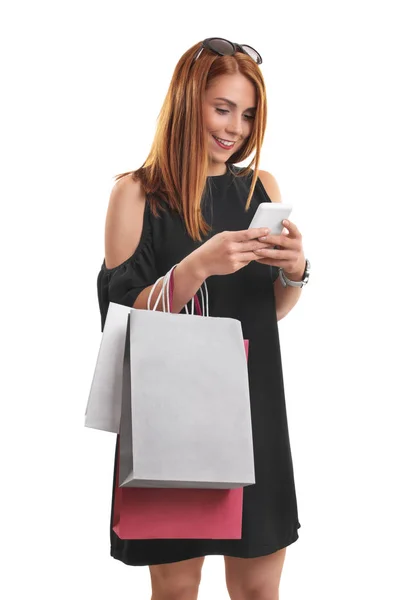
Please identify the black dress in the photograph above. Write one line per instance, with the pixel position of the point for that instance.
(270, 519)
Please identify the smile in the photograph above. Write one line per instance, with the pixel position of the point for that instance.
(223, 143)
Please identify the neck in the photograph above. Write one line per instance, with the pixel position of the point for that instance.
(218, 169)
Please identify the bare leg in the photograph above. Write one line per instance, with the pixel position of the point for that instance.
(254, 578)
(176, 581)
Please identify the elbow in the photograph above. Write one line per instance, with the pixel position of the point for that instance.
(280, 315)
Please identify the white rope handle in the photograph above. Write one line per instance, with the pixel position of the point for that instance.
(164, 295)
(164, 292)
(165, 289)
(151, 294)
(205, 310)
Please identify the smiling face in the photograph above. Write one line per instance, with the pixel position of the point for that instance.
(228, 110)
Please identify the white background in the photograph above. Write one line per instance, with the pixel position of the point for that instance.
(82, 85)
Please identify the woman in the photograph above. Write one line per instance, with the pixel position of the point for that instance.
(190, 205)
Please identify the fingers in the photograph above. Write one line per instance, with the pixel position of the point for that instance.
(247, 257)
(253, 250)
(275, 254)
(259, 232)
(293, 230)
(259, 245)
(274, 263)
(282, 241)
(250, 246)
(249, 234)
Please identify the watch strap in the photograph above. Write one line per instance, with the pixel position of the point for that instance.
(286, 281)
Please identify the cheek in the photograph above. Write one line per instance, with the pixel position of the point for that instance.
(211, 121)
(248, 127)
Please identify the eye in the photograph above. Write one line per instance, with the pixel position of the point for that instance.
(222, 111)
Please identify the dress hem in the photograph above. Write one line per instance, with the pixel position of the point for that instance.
(262, 550)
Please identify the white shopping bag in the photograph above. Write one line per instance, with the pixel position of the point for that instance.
(183, 410)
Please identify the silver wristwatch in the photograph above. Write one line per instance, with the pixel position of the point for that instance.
(286, 281)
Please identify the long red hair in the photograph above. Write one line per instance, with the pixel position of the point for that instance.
(175, 170)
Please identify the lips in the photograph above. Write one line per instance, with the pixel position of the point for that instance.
(222, 145)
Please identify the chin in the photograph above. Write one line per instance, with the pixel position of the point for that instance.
(219, 156)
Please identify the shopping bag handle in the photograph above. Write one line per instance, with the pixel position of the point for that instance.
(168, 284)
(195, 298)
(200, 310)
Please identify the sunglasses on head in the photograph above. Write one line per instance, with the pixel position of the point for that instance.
(225, 47)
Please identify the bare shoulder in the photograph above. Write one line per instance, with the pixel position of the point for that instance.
(271, 185)
(124, 220)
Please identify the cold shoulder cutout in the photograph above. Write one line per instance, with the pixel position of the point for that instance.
(123, 283)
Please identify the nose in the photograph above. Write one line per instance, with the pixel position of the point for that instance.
(235, 126)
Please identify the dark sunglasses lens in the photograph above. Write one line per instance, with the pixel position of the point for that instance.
(253, 53)
(221, 46)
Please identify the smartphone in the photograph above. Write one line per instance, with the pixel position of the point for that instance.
(271, 215)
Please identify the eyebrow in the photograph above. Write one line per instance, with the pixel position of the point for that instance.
(233, 103)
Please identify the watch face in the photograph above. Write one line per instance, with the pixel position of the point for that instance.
(307, 271)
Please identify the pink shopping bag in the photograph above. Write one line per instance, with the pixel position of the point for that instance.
(177, 513)
(172, 513)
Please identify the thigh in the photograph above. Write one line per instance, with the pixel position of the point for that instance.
(254, 577)
(177, 579)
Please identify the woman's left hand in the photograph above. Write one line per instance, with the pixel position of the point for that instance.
(289, 253)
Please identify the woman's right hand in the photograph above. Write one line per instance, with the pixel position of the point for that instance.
(228, 252)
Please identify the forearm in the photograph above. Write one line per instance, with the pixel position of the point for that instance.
(287, 297)
(188, 278)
